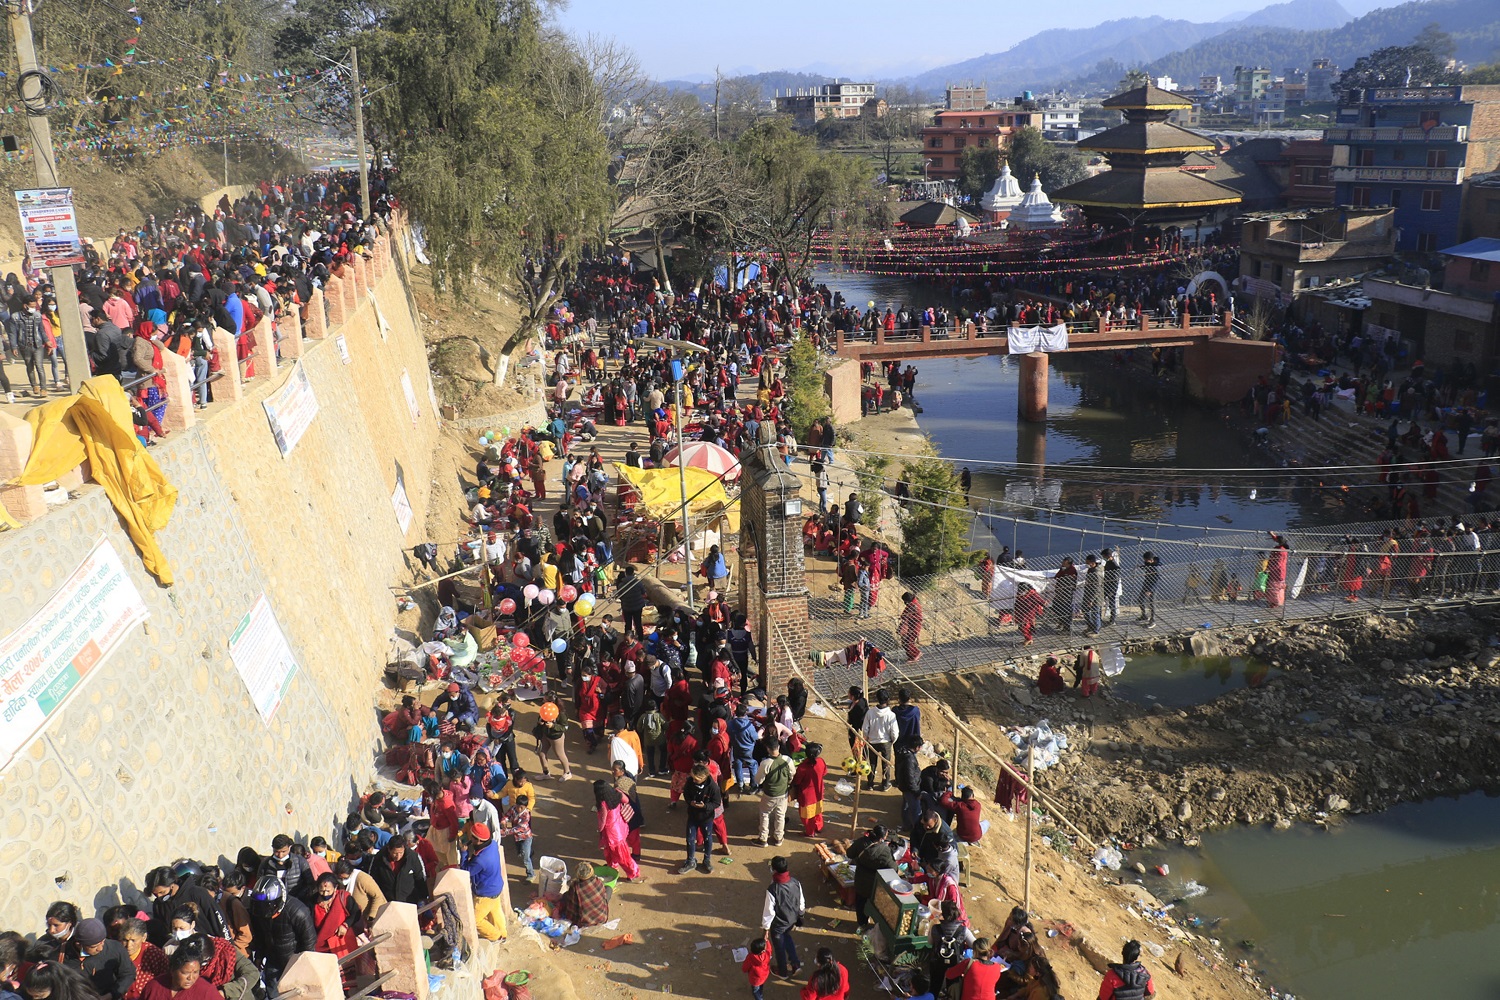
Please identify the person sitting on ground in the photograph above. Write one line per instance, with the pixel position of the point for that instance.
(1129, 978)
(586, 901)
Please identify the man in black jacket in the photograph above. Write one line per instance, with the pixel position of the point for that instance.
(105, 962)
(870, 853)
(280, 927)
(703, 799)
(785, 905)
(290, 868)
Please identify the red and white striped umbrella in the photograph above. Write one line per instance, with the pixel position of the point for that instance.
(705, 455)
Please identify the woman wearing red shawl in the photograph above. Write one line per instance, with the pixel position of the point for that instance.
(1029, 607)
(679, 701)
(680, 755)
(718, 746)
(807, 785)
(909, 626)
(150, 961)
(1352, 577)
(1276, 572)
(336, 919)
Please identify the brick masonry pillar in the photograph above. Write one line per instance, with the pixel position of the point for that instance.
(1033, 399)
(771, 549)
(362, 276)
(457, 883)
(264, 352)
(352, 295)
(401, 953)
(24, 503)
(179, 377)
(290, 326)
(316, 327)
(333, 295)
(230, 387)
(316, 974)
(380, 256)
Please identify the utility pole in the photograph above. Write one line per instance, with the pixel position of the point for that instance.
(358, 99)
(226, 162)
(34, 98)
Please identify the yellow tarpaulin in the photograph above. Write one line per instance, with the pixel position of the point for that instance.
(95, 425)
(661, 493)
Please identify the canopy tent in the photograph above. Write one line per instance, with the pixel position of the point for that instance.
(660, 493)
(707, 456)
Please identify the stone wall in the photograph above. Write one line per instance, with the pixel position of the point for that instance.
(161, 754)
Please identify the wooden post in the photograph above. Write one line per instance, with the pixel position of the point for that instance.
(1030, 780)
(955, 756)
(859, 755)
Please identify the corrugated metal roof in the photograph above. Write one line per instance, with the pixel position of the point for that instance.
(1484, 248)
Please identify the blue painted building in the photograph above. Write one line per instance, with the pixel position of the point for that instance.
(1411, 148)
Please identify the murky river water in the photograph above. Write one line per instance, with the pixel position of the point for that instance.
(1402, 904)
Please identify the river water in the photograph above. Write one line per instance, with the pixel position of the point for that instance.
(1406, 903)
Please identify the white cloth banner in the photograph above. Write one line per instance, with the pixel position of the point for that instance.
(1026, 339)
(1003, 584)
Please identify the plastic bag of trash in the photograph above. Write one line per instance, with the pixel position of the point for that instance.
(844, 788)
(1049, 745)
(1108, 857)
(1193, 889)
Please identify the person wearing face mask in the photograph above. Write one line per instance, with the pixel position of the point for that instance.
(289, 867)
(31, 340)
(368, 899)
(169, 888)
(336, 917)
(282, 927)
(106, 963)
(62, 921)
(218, 957)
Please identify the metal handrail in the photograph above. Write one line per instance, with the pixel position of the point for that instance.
(433, 903)
(367, 946)
(374, 984)
(131, 385)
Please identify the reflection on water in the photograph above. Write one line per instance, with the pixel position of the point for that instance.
(1186, 680)
(1406, 903)
(1098, 415)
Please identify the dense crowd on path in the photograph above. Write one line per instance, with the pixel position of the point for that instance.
(166, 285)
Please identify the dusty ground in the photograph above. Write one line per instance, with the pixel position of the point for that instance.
(684, 927)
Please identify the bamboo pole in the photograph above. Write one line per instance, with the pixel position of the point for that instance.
(1030, 814)
(859, 755)
(955, 757)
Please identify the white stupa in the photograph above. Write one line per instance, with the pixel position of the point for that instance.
(1035, 210)
(1003, 195)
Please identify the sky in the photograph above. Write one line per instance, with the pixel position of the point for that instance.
(686, 39)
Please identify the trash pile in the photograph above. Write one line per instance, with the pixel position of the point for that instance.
(1049, 745)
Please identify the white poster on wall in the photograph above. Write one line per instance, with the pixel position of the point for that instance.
(401, 504)
(385, 328)
(291, 410)
(46, 661)
(343, 346)
(411, 397)
(263, 657)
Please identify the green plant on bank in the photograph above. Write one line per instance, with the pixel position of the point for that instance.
(934, 535)
(871, 478)
(806, 400)
(1059, 840)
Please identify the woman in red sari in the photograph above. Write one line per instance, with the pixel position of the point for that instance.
(1029, 607)
(807, 785)
(335, 916)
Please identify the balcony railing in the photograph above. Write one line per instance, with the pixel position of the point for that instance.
(1400, 175)
(1441, 133)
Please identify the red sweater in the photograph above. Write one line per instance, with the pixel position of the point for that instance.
(757, 967)
(965, 818)
(979, 978)
(810, 992)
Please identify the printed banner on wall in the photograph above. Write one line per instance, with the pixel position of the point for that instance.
(291, 411)
(411, 398)
(1026, 339)
(44, 662)
(263, 657)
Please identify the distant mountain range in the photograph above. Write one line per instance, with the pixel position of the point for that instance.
(1276, 37)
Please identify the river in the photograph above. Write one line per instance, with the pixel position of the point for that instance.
(1406, 903)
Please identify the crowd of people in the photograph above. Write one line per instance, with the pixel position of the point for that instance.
(168, 284)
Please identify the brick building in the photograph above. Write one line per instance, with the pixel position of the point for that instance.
(831, 100)
(1299, 251)
(1458, 318)
(952, 132)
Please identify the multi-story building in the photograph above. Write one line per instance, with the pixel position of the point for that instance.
(1210, 83)
(1309, 173)
(1250, 83)
(966, 97)
(1166, 83)
(1297, 251)
(1481, 210)
(1459, 320)
(1411, 148)
(1059, 118)
(831, 100)
(1321, 77)
(952, 132)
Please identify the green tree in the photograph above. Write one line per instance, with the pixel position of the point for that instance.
(806, 400)
(494, 123)
(933, 533)
(1489, 73)
(977, 170)
(787, 190)
(1397, 66)
(1030, 154)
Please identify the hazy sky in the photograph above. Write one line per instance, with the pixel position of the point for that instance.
(688, 38)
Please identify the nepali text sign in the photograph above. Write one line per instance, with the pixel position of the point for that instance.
(291, 411)
(263, 657)
(46, 660)
(49, 226)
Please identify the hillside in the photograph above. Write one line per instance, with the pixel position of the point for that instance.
(1049, 57)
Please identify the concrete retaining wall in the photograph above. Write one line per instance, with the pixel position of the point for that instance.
(161, 754)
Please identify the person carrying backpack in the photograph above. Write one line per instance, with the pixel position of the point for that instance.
(950, 939)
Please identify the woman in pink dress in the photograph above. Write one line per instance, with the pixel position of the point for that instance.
(614, 830)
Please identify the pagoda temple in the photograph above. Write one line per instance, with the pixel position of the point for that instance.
(1145, 184)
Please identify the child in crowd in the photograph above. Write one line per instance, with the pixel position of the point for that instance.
(757, 967)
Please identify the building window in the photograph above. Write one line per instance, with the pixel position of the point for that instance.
(1432, 200)
(1395, 197)
(1427, 242)
(1255, 269)
(1366, 158)
(1278, 274)
(1437, 158)
(1361, 197)
(1479, 270)
(1398, 155)
(936, 161)
(960, 142)
(936, 143)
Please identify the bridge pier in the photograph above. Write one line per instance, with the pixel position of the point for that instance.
(1033, 397)
(1031, 446)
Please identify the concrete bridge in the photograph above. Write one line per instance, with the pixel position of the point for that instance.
(1221, 367)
